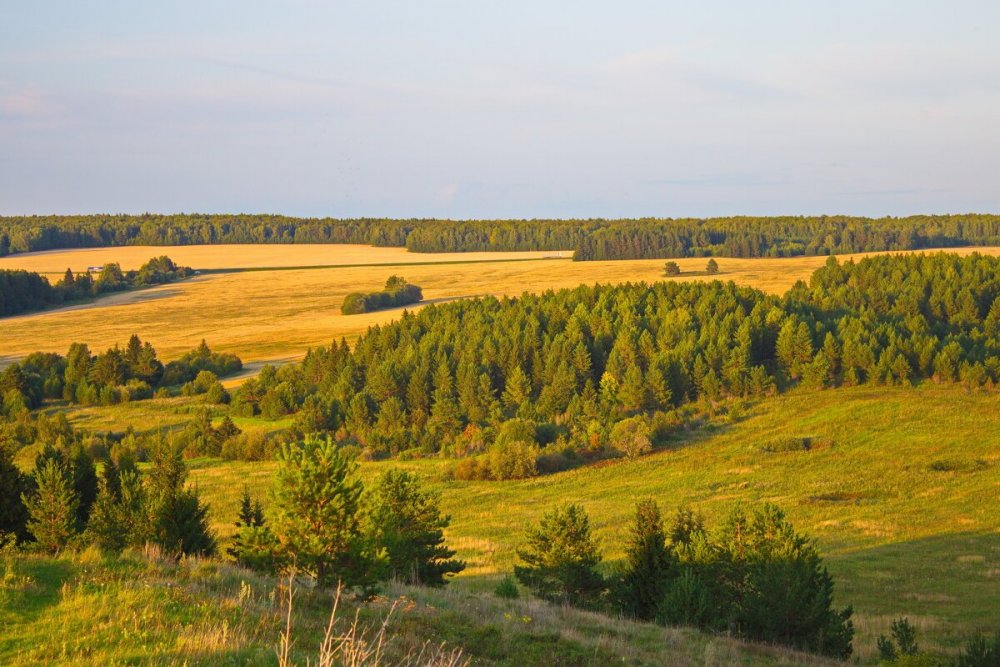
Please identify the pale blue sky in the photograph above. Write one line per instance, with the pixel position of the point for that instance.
(500, 109)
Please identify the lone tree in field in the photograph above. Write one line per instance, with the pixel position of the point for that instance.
(407, 523)
(671, 268)
(316, 517)
(649, 564)
(52, 508)
(712, 266)
(560, 559)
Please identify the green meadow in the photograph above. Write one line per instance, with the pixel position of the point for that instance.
(899, 486)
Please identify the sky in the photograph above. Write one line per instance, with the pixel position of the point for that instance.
(481, 109)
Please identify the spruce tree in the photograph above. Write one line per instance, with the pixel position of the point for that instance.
(406, 522)
(648, 564)
(121, 518)
(180, 518)
(52, 508)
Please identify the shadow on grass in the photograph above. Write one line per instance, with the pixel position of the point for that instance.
(949, 583)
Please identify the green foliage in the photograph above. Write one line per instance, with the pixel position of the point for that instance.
(182, 525)
(631, 437)
(52, 508)
(507, 589)
(671, 269)
(575, 363)
(560, 559)
(405, 523)
(901, 642)
(121, 516)
(316, 512)
(712, 267)
(648, 564)
(200, 359)
(592, 239)
(23, 291)
(14, 485)
(397, 293)
(512, 460)
(179, 517)
(980, 651)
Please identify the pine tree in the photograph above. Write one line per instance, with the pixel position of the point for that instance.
(648, 566)
(316, 515)
(52, 508)
(406, 522)
(560, 559)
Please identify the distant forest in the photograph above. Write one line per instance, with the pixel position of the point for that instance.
(592, 239)
(615, 367)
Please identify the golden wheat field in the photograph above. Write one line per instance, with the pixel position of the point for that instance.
(239, 256)
(276, 315)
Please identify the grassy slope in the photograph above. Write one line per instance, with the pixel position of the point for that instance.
(85, 610)
(901, 537)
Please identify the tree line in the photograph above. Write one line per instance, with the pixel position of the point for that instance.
(397, 292)
(754, 576)
(590, 239)
(537, 382)
(116, 375)
(23, 291)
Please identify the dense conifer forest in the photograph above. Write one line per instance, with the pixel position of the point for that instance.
(542, 378)
(592, 239)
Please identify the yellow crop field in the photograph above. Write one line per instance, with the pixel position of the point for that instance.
(276, 315)
(241, 256)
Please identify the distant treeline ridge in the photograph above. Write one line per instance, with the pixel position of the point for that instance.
(590, 239)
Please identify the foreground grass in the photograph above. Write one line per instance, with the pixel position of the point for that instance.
(89, 610)
(902, 492)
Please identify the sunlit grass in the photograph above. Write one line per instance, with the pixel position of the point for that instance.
(901, 536)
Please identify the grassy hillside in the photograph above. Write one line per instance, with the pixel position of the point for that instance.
(901, 487)
(85, 610)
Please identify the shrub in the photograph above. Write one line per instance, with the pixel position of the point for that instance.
(513, 460)
(631, 437)
(507, 589)
(468, 470)
(980, 652)
(902, 640)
